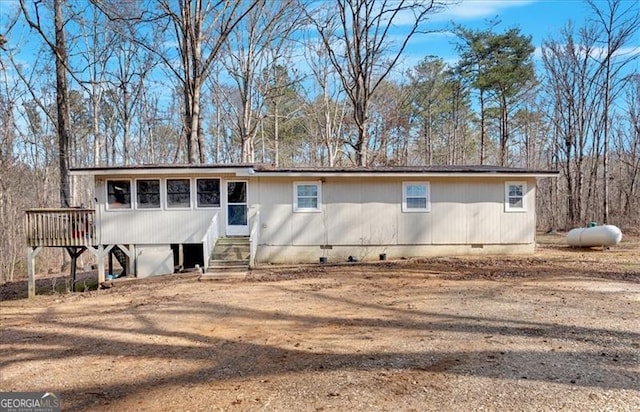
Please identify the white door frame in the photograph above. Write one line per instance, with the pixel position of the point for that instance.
(236, 230)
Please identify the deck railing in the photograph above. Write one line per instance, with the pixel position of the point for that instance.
(60, 227)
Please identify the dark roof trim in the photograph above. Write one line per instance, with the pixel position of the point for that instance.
(269, 170)
(172, 166)
(402, 169)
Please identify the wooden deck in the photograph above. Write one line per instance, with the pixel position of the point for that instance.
(73, 229)
(60, 227)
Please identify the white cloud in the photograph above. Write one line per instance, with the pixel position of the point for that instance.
(476, 9)
(629, 51)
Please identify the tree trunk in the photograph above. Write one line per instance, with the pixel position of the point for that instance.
(482, 127)
(605, 154)
(62, 104)
(95, 122)
(276, 137)
(360, 116)
(195, 152)
(504, 131)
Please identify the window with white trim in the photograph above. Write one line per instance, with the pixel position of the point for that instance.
(514, 196)
(208, 191)
(118, 194)
(178, 193)
(148, 193)
(416, 197)
(307, 196)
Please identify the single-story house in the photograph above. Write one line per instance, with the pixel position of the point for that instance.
(163, 216)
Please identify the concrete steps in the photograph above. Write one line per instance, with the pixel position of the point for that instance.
(230, 254)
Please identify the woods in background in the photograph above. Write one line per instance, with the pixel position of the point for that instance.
(313, 83)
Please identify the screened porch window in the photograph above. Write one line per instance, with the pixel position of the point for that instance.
(148, 193)
(118, 194)
(178, 193)
(208, 192)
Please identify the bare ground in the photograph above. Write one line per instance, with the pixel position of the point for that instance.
(559, 330)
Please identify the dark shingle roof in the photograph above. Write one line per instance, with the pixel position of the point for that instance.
(401, 169)
(261, 168)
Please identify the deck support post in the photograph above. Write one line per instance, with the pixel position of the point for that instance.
(32, 252)
(74, 254)
(100, 252)
(110, 263)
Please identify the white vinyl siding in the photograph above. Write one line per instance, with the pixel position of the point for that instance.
(165, 225)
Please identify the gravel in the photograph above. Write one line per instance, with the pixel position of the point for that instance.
(555, 331)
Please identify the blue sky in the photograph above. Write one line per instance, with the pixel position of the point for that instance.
(541, 19)
(538, 18)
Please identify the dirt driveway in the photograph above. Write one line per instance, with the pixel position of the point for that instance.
(559, 330)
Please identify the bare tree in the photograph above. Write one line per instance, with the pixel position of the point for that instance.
(619, 21)
(200, 28)
(10, 242)
(97, 41)
(328, 110)
(129, 78)
(27, 154)
(357, 35)
(58, 48)
(628, 148)
(257, 42)
(572, 83)
(390, 114)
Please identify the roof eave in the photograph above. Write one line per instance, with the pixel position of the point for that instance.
(236, 170)
(242, 170)
(406, 174)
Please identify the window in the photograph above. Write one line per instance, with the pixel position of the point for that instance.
(236, 204)
(514, 196)
(208, 192)
(148, 194)
(307, 196)
(118, 194)
(415, 197)
(178, 193)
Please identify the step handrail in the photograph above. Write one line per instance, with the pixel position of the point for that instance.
(254, 237)
(209, 240)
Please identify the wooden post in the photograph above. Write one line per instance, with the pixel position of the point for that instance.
(31, 269)
(100, 252)
(74, 254)
(110, 260)
(131, 252)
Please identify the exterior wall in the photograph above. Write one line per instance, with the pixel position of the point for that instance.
(153, 260)
(359, 217)
(362, 217)
(278, 254)
(157, 226)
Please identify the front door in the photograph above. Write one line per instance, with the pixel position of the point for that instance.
(237, 210)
